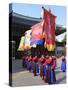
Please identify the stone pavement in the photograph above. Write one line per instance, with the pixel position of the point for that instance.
(26, 79)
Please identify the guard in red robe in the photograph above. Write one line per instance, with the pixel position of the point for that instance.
(23, 61)
(26, 59)
(53, 65)
(44, 71)
(41, 60)
(50, 70)
(27, 62)
(37, 68)
(34, 64)
(30, 63)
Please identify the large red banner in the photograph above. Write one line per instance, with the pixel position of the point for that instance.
(49, 29)
(45, 29)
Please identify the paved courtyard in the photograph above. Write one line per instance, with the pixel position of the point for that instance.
(22, 77)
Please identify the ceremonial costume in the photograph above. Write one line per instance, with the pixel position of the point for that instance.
(37, 68)
(53, 65)
(50, 73)
(34, 65)
(26, 61)
(44, 70)
(23, 62)
(29, 63)
(63, 64)
(42, 59)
